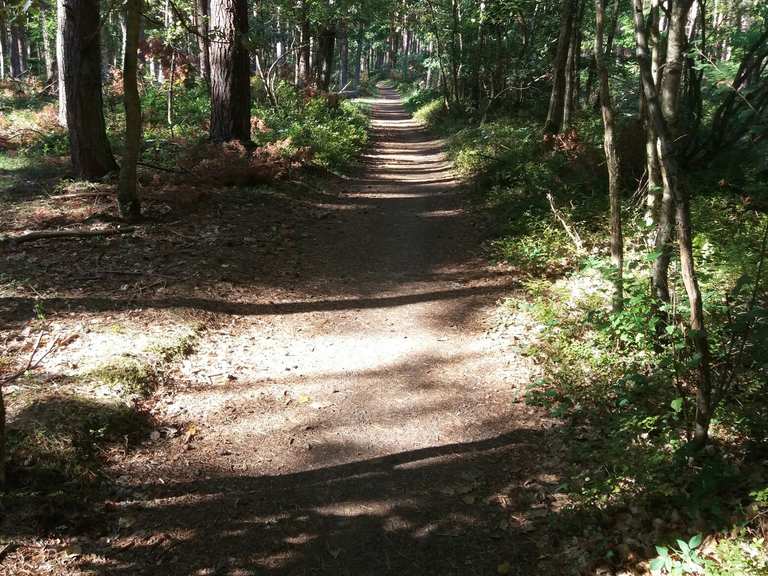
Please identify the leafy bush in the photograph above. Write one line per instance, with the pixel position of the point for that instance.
(335, 131)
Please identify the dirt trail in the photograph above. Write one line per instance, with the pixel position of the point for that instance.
(368, 421)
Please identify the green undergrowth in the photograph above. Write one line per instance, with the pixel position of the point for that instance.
(625, 398)
(334, 130)
(318, 129)
(60, 438)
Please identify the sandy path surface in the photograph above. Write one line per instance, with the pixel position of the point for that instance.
(367, 422)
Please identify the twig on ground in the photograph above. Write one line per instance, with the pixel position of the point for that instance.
(31, 363)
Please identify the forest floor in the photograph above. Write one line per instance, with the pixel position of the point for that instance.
(349, 402)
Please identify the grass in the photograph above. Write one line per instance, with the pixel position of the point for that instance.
(127, 374)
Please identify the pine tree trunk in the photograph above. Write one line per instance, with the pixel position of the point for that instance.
(15, 55)
(612, 161)
(343, 56)
(203, 42)
(305, 68)
(50, 62)
(89, 147)
(60, 62)
(3, 41)
(230, 72)
(127, 196)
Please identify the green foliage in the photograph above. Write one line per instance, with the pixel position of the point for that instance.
(739, 556)
(128, 373)
(59, 439)
(335, 133)
(679, 561)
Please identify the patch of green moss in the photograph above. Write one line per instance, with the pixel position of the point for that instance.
(133, 375)
(176, 348)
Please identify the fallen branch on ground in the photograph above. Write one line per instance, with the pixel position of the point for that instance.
(49, 234)
(574, 236)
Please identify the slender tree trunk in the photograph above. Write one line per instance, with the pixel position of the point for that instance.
(554, 120)
(230, 72)
(89, 147)
(3, 41)
(305, 69)
(671, 176)
(50, 61)
(343, 56)
(654, 195)
(171, 80)
(127, 195)
(612, 161)
(61, 61)
(358, 57)
(428, 80)
(203, 41)
(15, 55)
(571, 68)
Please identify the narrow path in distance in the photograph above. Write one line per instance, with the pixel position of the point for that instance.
(368, 421)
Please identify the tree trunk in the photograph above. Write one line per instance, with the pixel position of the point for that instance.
(324, 61)
(127, 195)
(557, 97)
(571, 68)
(3, 41)
(60, 61)
(670, 176)
(428, 80)
(169, 102)
(343, 56)
(612, 161)
(358, 58)
(15, 55)
(50, 62)
(88, 144)
(203, 41)
(305, 69)
(230, 72)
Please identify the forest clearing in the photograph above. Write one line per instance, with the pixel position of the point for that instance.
(447, 287)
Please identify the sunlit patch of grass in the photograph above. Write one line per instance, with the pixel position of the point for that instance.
(177, 347)
(128, 374)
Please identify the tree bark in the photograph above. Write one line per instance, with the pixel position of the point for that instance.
(671, 175)
(554, 120)
(612, 161)
(203, 41)
(359, 57)
(127, 195)
(50, 61)
(343, 56)
(3, 41)
(60, 62)
(88, 144)
(15, 55)
(230, 72)
(571, 68)
(305, 70)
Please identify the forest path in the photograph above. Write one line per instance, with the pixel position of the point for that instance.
(367, 422)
